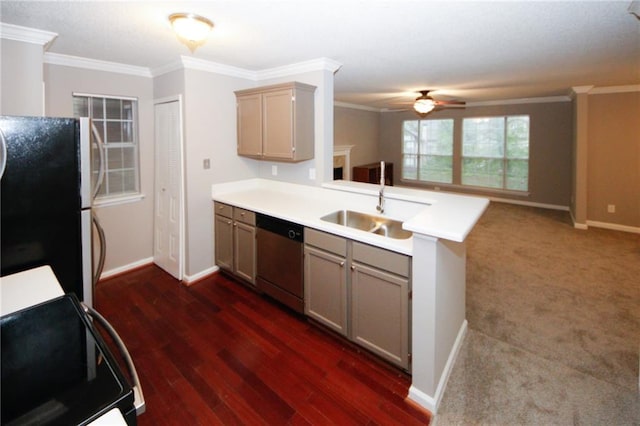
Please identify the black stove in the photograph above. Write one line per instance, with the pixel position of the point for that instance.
(57, 370)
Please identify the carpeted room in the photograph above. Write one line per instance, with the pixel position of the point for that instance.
(554, 324)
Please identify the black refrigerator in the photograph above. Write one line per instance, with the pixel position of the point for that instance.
(46, 194)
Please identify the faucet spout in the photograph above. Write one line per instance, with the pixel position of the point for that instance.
(380, 206)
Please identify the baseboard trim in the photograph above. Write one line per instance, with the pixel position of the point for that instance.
(529, 203)
(432, 403)
(126, 268)
(614, 226)
(192, 279)
(576, 224)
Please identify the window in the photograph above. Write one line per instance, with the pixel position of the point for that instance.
(116, 121)
(495, 152)
(489, 152)
(427, 150)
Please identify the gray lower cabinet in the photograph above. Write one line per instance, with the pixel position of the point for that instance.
(359, 291)
(235, 241)
(325, 279)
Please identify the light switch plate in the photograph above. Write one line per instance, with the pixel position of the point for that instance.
(312, 174)
(274, 170)
(206, 163)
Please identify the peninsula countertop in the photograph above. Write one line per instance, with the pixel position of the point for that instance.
(431, 213)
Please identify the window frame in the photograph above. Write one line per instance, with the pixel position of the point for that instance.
(458, 135)
(116, 197)
(504, 159)
(419, 156)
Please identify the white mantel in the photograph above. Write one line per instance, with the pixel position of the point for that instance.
(343, 151)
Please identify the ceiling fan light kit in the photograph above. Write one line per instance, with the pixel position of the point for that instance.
(190, 28)
(424, 104)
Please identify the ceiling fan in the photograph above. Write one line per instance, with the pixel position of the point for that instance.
(424, 104)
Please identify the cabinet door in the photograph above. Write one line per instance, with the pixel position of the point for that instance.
(380, 313)
(277, 113)
(250, 125)
(325, 288)
(245, 252)
(224, 242)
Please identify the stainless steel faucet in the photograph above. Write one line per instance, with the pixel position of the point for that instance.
(380, 206)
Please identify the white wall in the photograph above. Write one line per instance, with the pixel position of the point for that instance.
(210, 132)
(360, 128)
(128, 227)
(21, 78)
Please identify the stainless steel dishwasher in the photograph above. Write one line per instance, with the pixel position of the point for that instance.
(280, 260)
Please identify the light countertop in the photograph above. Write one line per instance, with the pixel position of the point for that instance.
(430, 213)
(28, 288)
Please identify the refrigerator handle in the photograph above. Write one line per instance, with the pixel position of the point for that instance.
(138, 397)
(3, 154)
(103, 249)
(100, 180)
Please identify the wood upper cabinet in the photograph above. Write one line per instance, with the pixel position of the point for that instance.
(276, 122)
(249, 125)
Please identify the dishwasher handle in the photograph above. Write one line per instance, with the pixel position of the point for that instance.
(290, 230)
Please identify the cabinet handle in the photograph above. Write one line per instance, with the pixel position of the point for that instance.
(229, 223)
(353, 268)
(342, 264)
(241, 213)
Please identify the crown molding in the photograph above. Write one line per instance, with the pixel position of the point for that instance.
(94, 64)
(167, 68)
(355, 106)
(615, 89)
(538, 100)
(186, 62)
(26, 34)
(217, 68)
(321, 64)
(576, 90)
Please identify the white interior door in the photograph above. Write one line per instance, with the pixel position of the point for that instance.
(168, 252)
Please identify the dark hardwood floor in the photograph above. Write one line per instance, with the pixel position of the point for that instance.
(219, 353)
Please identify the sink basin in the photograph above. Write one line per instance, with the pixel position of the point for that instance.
(369, 223)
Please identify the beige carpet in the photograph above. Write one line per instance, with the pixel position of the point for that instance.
(554, 324)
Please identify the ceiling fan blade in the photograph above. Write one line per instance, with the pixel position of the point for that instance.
(396, 109)
(450, 103)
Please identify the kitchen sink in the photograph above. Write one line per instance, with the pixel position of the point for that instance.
(369, 223)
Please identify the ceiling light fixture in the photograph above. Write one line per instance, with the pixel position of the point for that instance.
(424, 104)
(190, 28)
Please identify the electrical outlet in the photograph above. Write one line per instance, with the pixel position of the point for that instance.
(274, 170)
(611, 208)
(312, 174)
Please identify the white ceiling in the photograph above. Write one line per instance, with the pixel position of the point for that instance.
(469, 50)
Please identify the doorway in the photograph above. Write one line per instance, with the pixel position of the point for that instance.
(168, 217)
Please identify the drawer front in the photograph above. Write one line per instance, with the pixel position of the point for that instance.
(327, 242)
(244, 216)
(223, 209)
(380, 258)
